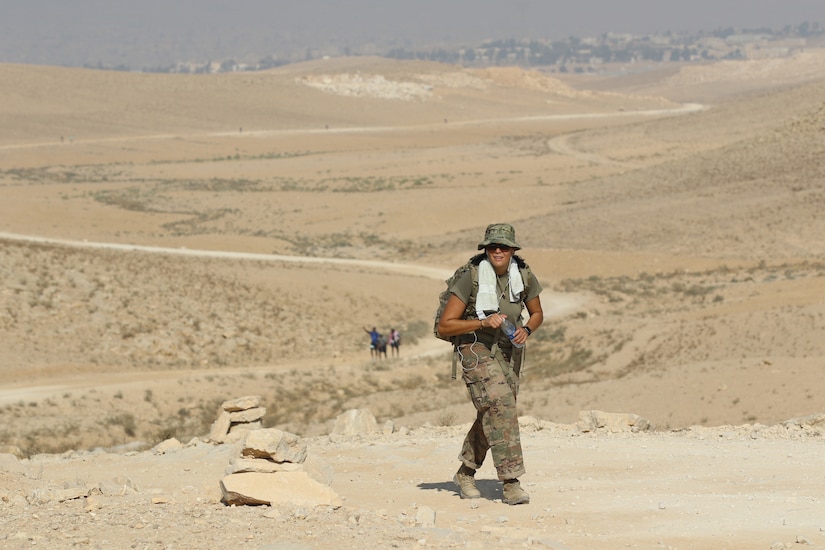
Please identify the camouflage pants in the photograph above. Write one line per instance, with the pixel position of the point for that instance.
(493, 387)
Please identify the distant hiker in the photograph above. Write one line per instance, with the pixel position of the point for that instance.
(373, 341)
(395, 342)
(382, 345)
(496, 287)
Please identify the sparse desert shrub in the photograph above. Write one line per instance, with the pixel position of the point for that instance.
(397, 410)
(412, 382)
(164, 433)
(125, 420)
(549, 333)
(378, 366)
(446, 417)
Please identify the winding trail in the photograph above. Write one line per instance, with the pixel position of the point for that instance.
(561, 144)
(686, 108)
(561, 304)
(558, 305)
(407, 269)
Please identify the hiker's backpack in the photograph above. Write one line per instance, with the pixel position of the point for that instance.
(472, 266)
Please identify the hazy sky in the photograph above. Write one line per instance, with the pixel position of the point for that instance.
(51, 27)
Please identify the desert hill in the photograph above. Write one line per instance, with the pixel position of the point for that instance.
(709, 83)
(43, 103)
(677, 243)
(700, 180)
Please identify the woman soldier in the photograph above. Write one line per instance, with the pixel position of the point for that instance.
(497, 290)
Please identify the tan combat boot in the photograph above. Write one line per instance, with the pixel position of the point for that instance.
(514, 494)
(466, 482)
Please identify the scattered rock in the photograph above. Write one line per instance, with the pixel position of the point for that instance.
(425, 517)
(118, 486)
(92, 503)
(274, 445)
(236, 418)
(250, 415)
(242, 403)
(220, 428)
(355, 422)
(612, 422)
(13, 450)
(46, 495)
(270, 469)
(813, 421)
(295, 488)
(166, 446)
(10, 463)
(241, 464)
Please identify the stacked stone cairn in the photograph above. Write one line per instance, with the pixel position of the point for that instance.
(237, 417)
(271, 465)
(272, 469)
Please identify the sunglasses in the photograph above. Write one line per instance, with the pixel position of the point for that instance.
(502, 247)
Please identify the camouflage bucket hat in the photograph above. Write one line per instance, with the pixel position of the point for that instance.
(499, 233)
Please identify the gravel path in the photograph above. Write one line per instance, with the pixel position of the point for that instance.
(745, 487)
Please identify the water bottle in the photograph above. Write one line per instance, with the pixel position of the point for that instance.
(510, 330)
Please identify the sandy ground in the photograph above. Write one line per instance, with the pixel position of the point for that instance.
(726, 487)
(158, 232)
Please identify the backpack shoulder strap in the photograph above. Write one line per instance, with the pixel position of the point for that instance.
(472, 265)
(526, 275)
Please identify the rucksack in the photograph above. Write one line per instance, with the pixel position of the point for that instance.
(472, 266)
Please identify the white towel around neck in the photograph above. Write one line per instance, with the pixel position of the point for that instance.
(487, 296)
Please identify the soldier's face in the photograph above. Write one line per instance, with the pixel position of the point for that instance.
(499, 256)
